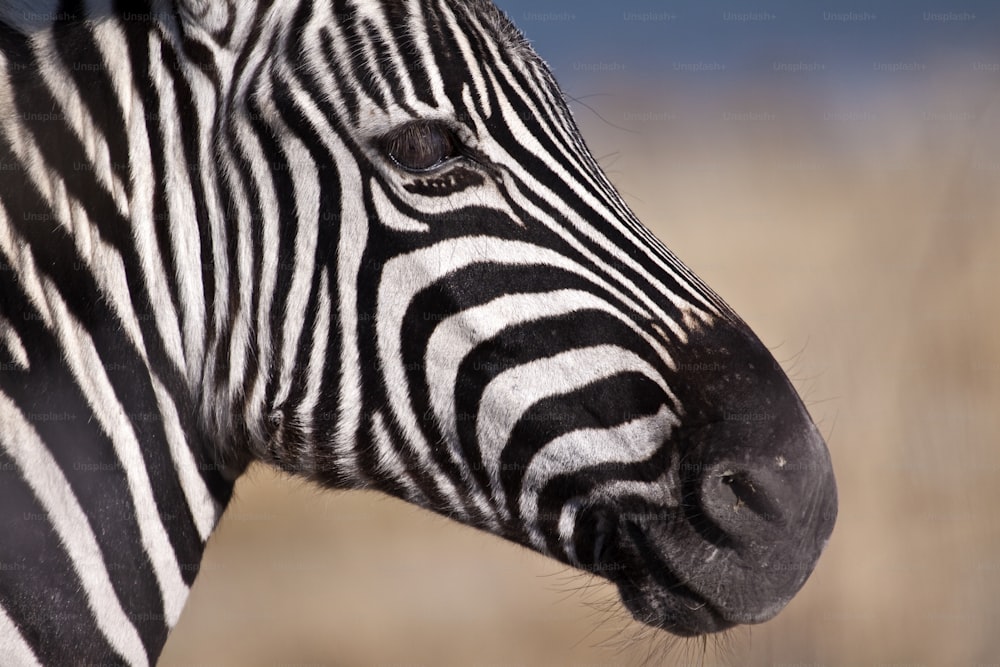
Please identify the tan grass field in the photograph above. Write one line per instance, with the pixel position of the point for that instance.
(864, 248)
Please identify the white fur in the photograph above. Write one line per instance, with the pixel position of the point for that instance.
(14, 651)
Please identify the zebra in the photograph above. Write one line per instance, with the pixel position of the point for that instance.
(361, 241)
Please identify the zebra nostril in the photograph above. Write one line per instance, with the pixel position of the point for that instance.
(740, 501)
(596, 535)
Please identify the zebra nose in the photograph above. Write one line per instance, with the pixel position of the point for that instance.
(784, 492)
(743, 501)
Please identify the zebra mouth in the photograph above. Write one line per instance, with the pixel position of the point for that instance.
(660, 598)
(735, 551)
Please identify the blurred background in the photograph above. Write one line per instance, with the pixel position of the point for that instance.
(833, 171)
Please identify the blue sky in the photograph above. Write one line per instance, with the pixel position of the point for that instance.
(839, 41)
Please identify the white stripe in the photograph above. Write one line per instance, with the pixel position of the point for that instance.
(353, 238)
(371, 49)
(553, 119)
(306, 190)
(140, 212)
(9, 337)
(390, 465)
(653, 492)
(335, 41)
(454, 338)
(350, 249)
(317, 362)
(529, 143)
(627, 443)
(204, 509)
(404, 276)
(418, 33)
(473, 64)
(514, 391)
(113, 49)
(188, 273)
(100, 258)
(11, 342)
(88, 369)
(392, 218)
(526, 136)
(261, 181)
(241, 326)
(40, 470)
(14, 651)
(386, 45)
(76, 116)
(567, 526)
(374, 120)
(205, 106)
(21, 259)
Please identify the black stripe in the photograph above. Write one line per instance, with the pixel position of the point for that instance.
(325, 417)
(251, 196)
(364, 77)
(137, 36)
(627, 233)
(561, 489)
(404, 36)
(249, 47)
(39, 588)
(200, 57)
(376, 251)
(605, 404)
(551, 110)
(523, 343)
(138, 45)
(231, 190)
(388, 74)
(372, 382)
(462, 290)
(85, 63)
(16, 49)
(287, 226)
(190, 132)
(576, 153)
(343, 87)
(49, 398)
(616, 234)
(59, 146)
(56, 255)
(231, 193)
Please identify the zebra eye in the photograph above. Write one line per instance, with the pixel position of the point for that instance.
(421, 146)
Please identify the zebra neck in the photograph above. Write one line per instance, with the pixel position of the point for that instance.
(109, 275)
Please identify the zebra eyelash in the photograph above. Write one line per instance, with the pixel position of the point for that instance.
(423, 146)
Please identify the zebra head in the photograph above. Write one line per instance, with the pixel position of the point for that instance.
(461, 311)
(361, 240)
(486, 330)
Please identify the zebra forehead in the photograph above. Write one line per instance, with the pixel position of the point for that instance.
(418, 58)
(498, 25)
